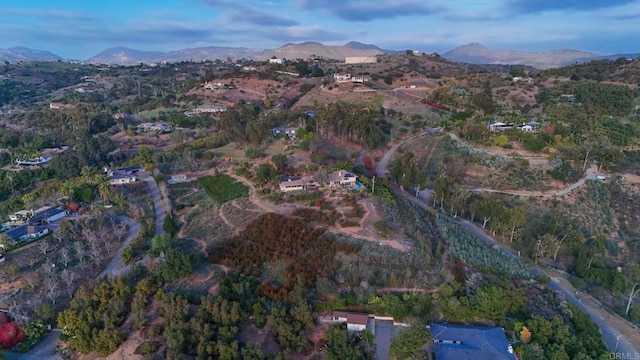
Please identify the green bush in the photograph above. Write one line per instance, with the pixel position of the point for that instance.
(223, 188)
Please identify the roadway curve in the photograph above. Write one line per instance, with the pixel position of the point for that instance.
(114, 268)
(612, 337)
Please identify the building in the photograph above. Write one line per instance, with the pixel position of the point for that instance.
(36, 161)
(277, 61)
(355, 321)
(59, 105)
(177, 178)
(500, 126)
(342, 77)
(284, 131)
(129, 170)
(48, 216)
(291, 184)
(20, 215)
(157, 127)
(463, 342)
(361, 59)
(341, 177)
(122, 179)
(26, 233)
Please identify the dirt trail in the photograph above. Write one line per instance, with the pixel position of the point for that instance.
(404, 289)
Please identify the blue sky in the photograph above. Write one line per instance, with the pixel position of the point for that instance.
(79, 29)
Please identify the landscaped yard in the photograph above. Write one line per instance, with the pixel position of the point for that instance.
(223, 188)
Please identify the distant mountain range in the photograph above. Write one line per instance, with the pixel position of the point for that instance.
(126, 56)
(20, 53)
(473, 53)
(315, 49)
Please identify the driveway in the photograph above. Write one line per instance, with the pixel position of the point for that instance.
(114, 267)
(383, 335)
(158, 205)
(44, 350)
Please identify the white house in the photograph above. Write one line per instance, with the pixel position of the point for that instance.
(291, 184)
(121, 179)
(284, 131)
(277, 61)
(342, 77)
(355, 321)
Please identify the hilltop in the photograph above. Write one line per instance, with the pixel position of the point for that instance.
(475, 53)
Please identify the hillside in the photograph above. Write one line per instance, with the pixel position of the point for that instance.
(314, 49)
(19, 53)
(127, 56)
(478, 54)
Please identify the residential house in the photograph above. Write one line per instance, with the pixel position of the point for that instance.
(157, 127)
(284, 131)
(121, 179)
(27, 232)
(291, 184)
(341, 177)
(277, 61)
(129, 170)
(355, 321)
(500, 126)
(464, 342)
(342, 77)
(59, 105)
(20, 215)
(48, 216)
(177, 178)
(571, 98)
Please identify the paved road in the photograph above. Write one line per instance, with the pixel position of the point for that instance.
(114, 267)
(158, 205)
(44, 350)
(613, 339)
(383, 334)
(381, 169)
(615, 342)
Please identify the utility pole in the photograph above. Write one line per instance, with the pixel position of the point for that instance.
(373, 186)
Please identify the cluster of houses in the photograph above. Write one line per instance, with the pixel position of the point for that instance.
(336, 178)
(28, 225)
(122, 176)
(448, 341)
(342, 78)
(531, 126)
(206, 109)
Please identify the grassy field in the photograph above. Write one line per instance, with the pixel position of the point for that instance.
(223, 188)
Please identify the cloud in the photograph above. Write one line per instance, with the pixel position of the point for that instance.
(63, 15)
(261, 18)
(360, 10)
(304, 33)
(536, 6)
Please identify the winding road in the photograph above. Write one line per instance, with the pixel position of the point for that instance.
(114, 268)
(613, 337)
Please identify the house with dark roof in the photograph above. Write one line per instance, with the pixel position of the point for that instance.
(466, 342)
(26, 233)
(292, 184)
(341, 177)
(48, 216)
(355, 321)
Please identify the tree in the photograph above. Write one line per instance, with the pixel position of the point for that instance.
(633, 274)
(406, 343)
(279, 161)
(169, 225)
(517, 218)
(340, 345)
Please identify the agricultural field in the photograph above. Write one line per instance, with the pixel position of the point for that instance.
(222, 188)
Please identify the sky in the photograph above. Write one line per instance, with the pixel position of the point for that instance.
(79, 29)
